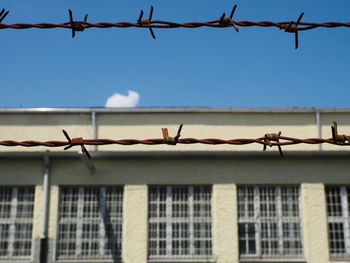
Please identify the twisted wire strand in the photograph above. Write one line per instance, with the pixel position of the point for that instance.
(223, 22)
(169, 24)
(159, 141)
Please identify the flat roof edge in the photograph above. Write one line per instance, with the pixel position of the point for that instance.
(173, 110)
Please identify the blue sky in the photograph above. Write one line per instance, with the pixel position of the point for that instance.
(257, 67)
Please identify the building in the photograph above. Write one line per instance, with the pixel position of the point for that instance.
(165, 203)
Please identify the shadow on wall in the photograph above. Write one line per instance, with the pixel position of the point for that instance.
(260, 170)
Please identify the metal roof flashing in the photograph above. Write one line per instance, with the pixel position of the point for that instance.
(173, 110)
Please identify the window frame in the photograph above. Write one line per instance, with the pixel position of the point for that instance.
(278, 219)
(80, 207)
(344, 219)
(13, 220)
(169, 220)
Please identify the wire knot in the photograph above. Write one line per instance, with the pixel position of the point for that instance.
(339, 139)
(74, 142)
(171, 140)
(76, 25)
(145, 22)
(291, 28)
(272, 137)
(227, 21)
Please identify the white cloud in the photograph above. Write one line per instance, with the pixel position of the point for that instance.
(118, 100)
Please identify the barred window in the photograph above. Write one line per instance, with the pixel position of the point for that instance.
(338, 204)
(90, 223)
(16, 222)
(180, 222)
(269, 222)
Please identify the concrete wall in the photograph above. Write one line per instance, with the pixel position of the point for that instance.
(42, 127)
(46, 125)
(135, 172)
(311, 173)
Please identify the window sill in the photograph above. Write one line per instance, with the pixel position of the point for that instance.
(84, 260)
(339, 259)
(272, 260)
(161, 260)
(15, 260)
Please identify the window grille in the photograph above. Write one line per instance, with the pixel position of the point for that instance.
(338, 204)
(90, 223)
(269, 222)
(16, 222)
(180, 223)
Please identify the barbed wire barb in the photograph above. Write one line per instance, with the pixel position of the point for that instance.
(225, 21)
(269, 137)
(74, 142)
(171, 140)
(3, 14)
(76, 25)
(292, 27)
(339, 139)
(147, 21)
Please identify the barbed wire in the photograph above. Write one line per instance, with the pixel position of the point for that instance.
(223, 22)
(269, 139)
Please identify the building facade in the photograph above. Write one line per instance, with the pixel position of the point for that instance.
(165, 203)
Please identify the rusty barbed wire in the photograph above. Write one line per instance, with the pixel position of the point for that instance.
(223, 22)
(269, 139)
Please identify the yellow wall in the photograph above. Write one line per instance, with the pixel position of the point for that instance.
(135, 235)
(42, 127)
(223, 172)
(124, 125)
(313, 222)
(199, 125)
(225, 242)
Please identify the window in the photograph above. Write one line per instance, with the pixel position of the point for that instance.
(269, 222)
(180, 222)
(90, 223)
(16, 222)
(338, 202)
